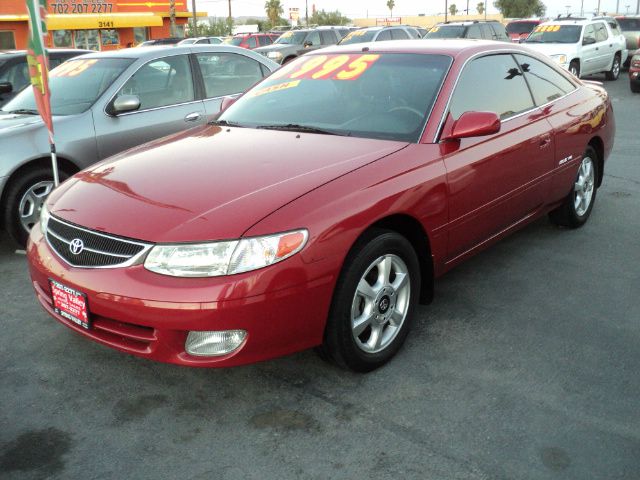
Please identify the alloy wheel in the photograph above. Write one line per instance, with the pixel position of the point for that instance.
(31, 203)
(583, 191)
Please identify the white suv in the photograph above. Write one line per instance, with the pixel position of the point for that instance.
(583, 47)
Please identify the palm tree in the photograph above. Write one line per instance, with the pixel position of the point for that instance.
(480, 8)
(274, 10)
(453, 9)
(390, 5)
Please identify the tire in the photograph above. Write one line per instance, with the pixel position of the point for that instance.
(614, 73)
(24, 199)
(574, 68)
(635, 86)
(380, 285)
(576, 208)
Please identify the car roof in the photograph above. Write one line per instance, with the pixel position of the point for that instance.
(465, 23)
(569, 21)
(150, 52)
(22, 53)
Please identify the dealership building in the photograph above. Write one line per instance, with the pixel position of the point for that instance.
(93, 24)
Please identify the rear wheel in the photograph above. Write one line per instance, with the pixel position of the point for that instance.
(574, 68)
(576, 208)
(614, 73)
(24, 200)
(374, 302)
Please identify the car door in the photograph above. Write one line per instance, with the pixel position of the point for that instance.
(168, 104)
(226, 74)
(496, 180)
(589, 52)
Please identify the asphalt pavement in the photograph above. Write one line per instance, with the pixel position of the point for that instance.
(526, 366)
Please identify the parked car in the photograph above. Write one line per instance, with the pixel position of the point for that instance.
(14, 71)
(377, 34)
(519, 30)
(200, 41)
(583, 47)
(479, 29)
(161, 42)
(377, 171)
(630, 26)
(634, 73)
(107, 102)
(251, 40)
(294, 43)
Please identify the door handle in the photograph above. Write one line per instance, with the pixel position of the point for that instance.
(545, 141)
(192, 117)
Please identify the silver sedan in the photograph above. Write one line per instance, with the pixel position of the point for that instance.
(104, 103)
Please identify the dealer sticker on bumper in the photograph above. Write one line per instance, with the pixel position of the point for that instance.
(70, 304)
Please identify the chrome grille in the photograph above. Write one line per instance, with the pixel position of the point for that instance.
(99, 249)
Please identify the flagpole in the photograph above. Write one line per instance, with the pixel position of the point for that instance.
(54, 163)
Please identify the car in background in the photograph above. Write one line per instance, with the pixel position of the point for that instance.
(293, 43)
(518, 30)
(106, 102)
(251, 40)
(478, 29)
(581, 46)
(377, 34)
(630, 26)
(634, 73)
(318, 209)
(200, 41)
(14, 71)
(161, 42)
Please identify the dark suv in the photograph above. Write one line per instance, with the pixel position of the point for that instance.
(14, 72)
(294, 43)
(486, 30)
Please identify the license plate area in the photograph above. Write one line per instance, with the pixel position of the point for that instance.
(70, 304)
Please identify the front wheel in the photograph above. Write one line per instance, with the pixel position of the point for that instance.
(374, 302)
(576, 208)
(574, 68)
(24, 200)
(614, 73)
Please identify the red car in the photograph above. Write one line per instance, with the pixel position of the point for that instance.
(634, 73)
(320, 207)
(519, 30)
(251, 40)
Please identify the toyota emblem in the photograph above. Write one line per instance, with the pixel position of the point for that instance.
(76, 246)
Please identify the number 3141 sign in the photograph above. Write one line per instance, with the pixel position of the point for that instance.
(82, 6)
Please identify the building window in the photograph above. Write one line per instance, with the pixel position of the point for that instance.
(87, 39)
(62, 38)
(140, 35)
(109, 37)
(180, 31)
(7, 41)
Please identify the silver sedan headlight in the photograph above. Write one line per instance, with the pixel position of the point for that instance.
(224, 258)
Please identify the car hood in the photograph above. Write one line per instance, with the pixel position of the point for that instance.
(277, 48)
(10, 122)
(208, 183)
(551, 48)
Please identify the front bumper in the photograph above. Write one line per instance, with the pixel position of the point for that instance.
(149, 315)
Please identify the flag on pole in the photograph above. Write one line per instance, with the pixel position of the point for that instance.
(38, 61)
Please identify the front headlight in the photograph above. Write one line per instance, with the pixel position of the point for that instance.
(561, 59)
(274, 55)
(224, 258)
(44, 218)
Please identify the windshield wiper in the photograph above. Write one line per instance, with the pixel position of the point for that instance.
(224, 123)
(294, 127)
(25, 111)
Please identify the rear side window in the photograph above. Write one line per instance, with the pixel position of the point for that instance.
(614, 28)
(500, 32)
(398, 34)
(494, 73)
(384, 35)
(473, 32)
(546, 84)
(487, 32)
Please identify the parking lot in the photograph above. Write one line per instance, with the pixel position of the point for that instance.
(524, 367)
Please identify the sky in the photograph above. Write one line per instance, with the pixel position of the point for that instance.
(378, 8)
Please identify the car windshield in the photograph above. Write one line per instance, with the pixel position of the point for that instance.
(382, 96)
(291, 38)
(519, 28)
(445, 31)
(358, 36)
(234, 41)
(75, 85)
(629, 24)
(555, 34)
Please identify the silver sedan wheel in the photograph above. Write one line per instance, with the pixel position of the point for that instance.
(31, 203)
(583, 190)
(380, 304)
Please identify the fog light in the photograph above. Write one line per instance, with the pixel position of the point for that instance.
(214, 343)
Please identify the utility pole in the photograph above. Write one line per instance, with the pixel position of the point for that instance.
(598, 11)
(446, 10)
(195, 18)
(467, 7)
(172, 17)
(230, 20)
(306, 11)
(617, 6)
(582, 8)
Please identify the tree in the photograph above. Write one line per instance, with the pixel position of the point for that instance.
(320, 17)
(480, 8)
(390, 5)
(274, 10)
(218, 27)
(453, 9)
(520, 8)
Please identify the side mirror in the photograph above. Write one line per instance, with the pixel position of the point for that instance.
(307, 44)
(125, 103)
(474, 124)
(227, 102)
(588, 41)
(6, 87)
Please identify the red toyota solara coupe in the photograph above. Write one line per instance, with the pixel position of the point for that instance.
(318, 209)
